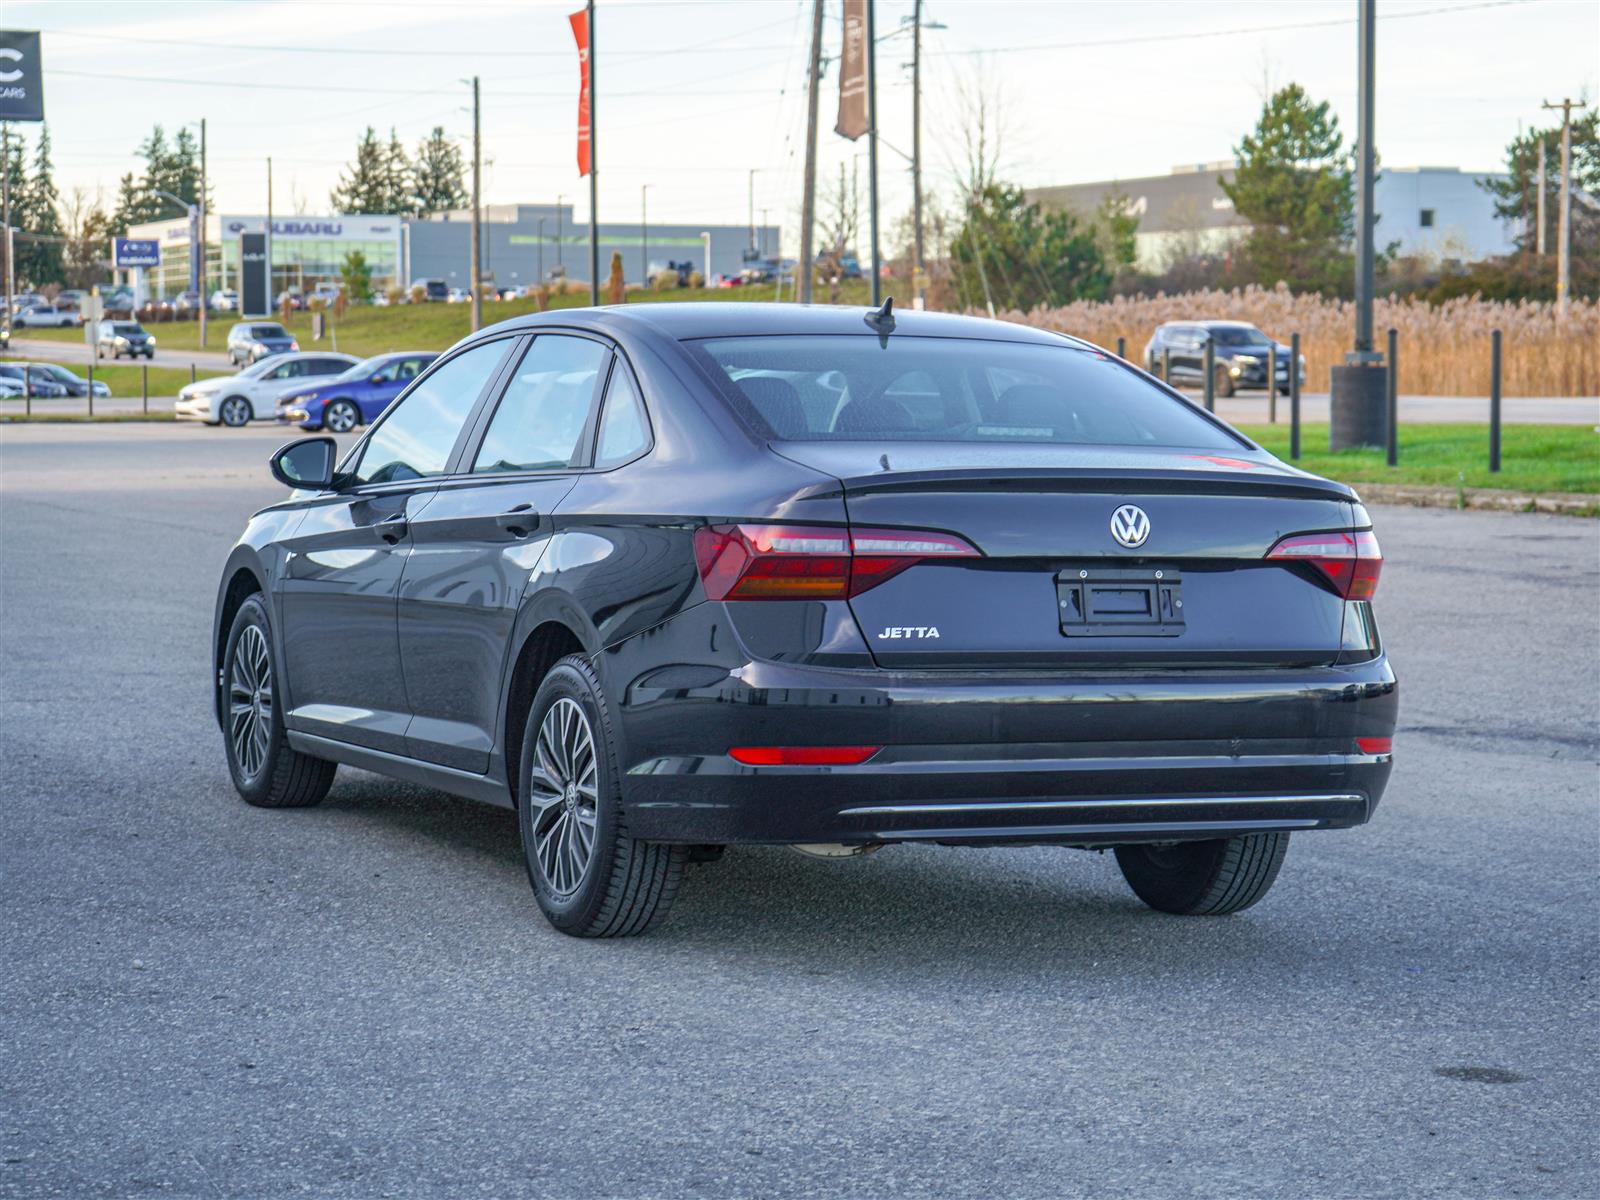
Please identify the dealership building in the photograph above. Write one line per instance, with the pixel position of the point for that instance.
(522, 243)
(1439, 213)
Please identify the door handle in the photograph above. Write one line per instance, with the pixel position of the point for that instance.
(519, 521)
(392, 529)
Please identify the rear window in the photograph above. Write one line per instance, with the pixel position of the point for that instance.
(268, 331)
(855, 388)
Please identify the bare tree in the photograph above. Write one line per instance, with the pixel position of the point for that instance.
(87, 227)
(839, 228)
(980, 101)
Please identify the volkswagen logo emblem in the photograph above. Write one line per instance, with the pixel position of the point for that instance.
(1130, 526)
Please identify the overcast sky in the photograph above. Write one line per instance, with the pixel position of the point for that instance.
(692, 94)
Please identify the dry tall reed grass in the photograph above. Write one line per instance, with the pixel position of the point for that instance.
(1444, 349)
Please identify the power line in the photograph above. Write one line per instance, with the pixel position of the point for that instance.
(1286, 27)
(412, 51)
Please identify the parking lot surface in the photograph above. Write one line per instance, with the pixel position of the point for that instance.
(198, 998)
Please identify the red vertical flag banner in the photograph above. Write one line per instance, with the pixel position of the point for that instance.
(580, 34)
(853, 72)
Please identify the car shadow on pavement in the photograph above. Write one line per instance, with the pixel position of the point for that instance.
(901, 908)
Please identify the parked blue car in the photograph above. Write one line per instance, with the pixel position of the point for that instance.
(357, 397)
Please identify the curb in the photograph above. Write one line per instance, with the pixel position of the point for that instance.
(1573, 504)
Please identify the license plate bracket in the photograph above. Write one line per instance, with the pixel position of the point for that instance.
(1098, 600)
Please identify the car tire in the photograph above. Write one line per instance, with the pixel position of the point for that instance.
(1209, 878)
(1224, 386)
(340, 417)
(591, 879)
(235, 412)
(266, 771)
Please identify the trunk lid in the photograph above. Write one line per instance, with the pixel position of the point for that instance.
(1056, 588)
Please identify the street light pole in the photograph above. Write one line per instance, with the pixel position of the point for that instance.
(752, 203)
(205, 301)
(916, 153)
(1364, 215)
(475, 277)
(594, 172)
(11, 242)
(705, 242)
(561, 201)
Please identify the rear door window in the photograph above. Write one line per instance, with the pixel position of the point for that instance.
(541, 418)
(624, 431)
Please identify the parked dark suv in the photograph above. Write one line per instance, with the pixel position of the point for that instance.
(670, 577)
(1240, 353)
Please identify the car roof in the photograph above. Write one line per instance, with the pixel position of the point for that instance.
(709, 319)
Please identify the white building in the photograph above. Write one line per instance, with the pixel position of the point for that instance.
(1441, 213)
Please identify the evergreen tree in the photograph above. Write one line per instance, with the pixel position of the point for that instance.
(1516, 198)
(364, 186)
(438, 175)
(35, 210)
(398, 178)
(1294, 185)
(1029, 257)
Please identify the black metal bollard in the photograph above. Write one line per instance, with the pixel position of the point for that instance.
(1166, 366)
(1494, 401)
(1294, 395)
(1393, 421)
(191, 373)
(27, 392)
(1122, 347)
(144, 386)
(1211, 375)
(1272, 384)
(91, 391)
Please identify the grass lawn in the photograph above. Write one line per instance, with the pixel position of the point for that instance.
(124, 380)
(1533, 458)
(366, 330)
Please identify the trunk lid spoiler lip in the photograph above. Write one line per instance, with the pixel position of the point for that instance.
(1120, 480)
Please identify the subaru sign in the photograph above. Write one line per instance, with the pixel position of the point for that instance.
(21, 79)
(135, 252)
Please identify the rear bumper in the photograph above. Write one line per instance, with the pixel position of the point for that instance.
(990, 758)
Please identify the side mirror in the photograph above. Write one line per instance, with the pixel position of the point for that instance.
(307, 463)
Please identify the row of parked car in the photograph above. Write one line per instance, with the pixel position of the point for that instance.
(45, 381)
(316, 389)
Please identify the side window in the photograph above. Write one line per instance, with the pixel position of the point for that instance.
(545, 407)
(416, 436)
(623, 431)
(387, 372)
(289, 370)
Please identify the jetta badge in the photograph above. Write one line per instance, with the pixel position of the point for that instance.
(1130, 526)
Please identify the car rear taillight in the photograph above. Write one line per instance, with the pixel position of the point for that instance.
(811, 562)
(1350, 560)
(802, 756)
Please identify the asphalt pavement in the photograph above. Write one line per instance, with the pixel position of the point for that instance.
(198, 998)
(81, 353)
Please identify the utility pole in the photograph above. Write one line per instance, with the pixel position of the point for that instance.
(872, 146)
(808, 204)
(475, 278)
(1564, 217)
(594, 173)
(761, 248)
(1538, 236)
(11, 242)
(916, 153)
(205, 300)
(644, 235)
(561, 203)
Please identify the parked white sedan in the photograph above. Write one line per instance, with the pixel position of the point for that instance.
(252, 394)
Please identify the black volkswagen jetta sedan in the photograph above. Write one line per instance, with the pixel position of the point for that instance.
(670, 577)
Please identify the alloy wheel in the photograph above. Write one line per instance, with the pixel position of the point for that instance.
(235, 411)
(341, 418)
(250, 701)
(564, 788)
